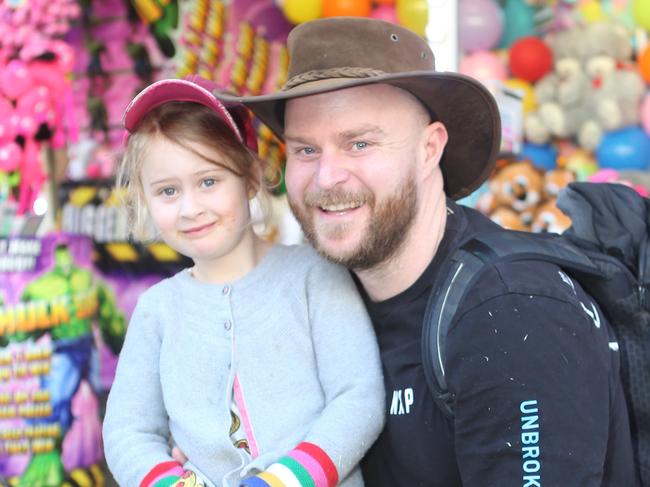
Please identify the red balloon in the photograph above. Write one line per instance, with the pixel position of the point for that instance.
(530, 58)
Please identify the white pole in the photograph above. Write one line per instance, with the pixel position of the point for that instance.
(442, 33)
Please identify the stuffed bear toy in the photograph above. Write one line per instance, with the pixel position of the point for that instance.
(549, 218)
(591, 90)
(519, 187)
(509, 219)
(561, 93)
(555, 180)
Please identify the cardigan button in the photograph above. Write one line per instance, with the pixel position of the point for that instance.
(226, 289)
(227, 325)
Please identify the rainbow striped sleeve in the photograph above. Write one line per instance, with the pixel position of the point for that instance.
(165, 474)
(307, 465)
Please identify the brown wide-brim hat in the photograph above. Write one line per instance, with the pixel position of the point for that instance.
(334, 53)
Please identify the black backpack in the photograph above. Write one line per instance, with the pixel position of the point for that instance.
(606, 251)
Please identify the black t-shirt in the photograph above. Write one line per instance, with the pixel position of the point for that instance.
(530, 360)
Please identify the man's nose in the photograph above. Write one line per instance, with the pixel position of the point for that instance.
(332, 171)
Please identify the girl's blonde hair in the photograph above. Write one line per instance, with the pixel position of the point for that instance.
(183, 123)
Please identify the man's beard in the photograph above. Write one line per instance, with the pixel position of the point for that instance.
(389, 224)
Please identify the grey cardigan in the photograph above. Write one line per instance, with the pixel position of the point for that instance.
(297, 335)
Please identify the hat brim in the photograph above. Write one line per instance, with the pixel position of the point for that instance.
(464, 105)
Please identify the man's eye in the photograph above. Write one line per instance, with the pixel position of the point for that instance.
(360, 145)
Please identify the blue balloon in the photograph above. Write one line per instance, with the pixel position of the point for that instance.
(543, 156)
(625, 149)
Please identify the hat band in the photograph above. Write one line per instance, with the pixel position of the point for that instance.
(342, 72)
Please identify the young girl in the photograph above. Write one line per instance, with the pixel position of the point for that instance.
(259, 361)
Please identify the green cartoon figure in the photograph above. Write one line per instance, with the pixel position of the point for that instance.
(70, 300)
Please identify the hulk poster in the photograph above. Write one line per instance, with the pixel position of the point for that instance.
(61, 327)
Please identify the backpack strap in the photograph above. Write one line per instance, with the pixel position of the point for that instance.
(464, 267)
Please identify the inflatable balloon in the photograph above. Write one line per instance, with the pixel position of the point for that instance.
(36, 104)
(484, 66)
(346, 8)
(530, 58)
(15, 79)
(641, 12)
(385, 12)
(519, 21)
(413, 14)
(65, 55)
(480, 25)
(299, 11)
(10, 156)
(7, 130)
(592, 11)
(625, 149)
(541, 155)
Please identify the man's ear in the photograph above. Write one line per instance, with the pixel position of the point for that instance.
(434, 140)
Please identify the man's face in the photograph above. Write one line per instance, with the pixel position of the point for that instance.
(352, 170)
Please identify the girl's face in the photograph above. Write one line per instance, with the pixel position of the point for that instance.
(200, 209)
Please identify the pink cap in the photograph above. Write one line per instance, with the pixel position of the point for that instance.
(195, 89)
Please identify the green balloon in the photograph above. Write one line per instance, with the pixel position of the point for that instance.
(519, 22)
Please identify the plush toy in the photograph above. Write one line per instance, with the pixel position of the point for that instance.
(592, 90)
(555, 180)
(549, 218)
(560, 94)
(518, 186)
(615, 98)
(508, 218)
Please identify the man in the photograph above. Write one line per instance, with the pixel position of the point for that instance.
(378, 147)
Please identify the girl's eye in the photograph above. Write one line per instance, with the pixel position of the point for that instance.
(307, 151)
(168, 191)
(207, 182)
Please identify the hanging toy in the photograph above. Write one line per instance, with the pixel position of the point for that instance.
(162, 18)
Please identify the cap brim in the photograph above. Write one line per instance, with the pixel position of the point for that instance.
(465, 106)
(169, 90)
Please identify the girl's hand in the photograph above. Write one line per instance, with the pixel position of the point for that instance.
(178, 455)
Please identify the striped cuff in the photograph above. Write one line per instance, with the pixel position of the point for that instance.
(163, 475)
(167, 474)
(305, 466)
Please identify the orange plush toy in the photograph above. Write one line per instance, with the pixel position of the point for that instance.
(555, 180)
(508, 218)
(520, 187)
(549, 218)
